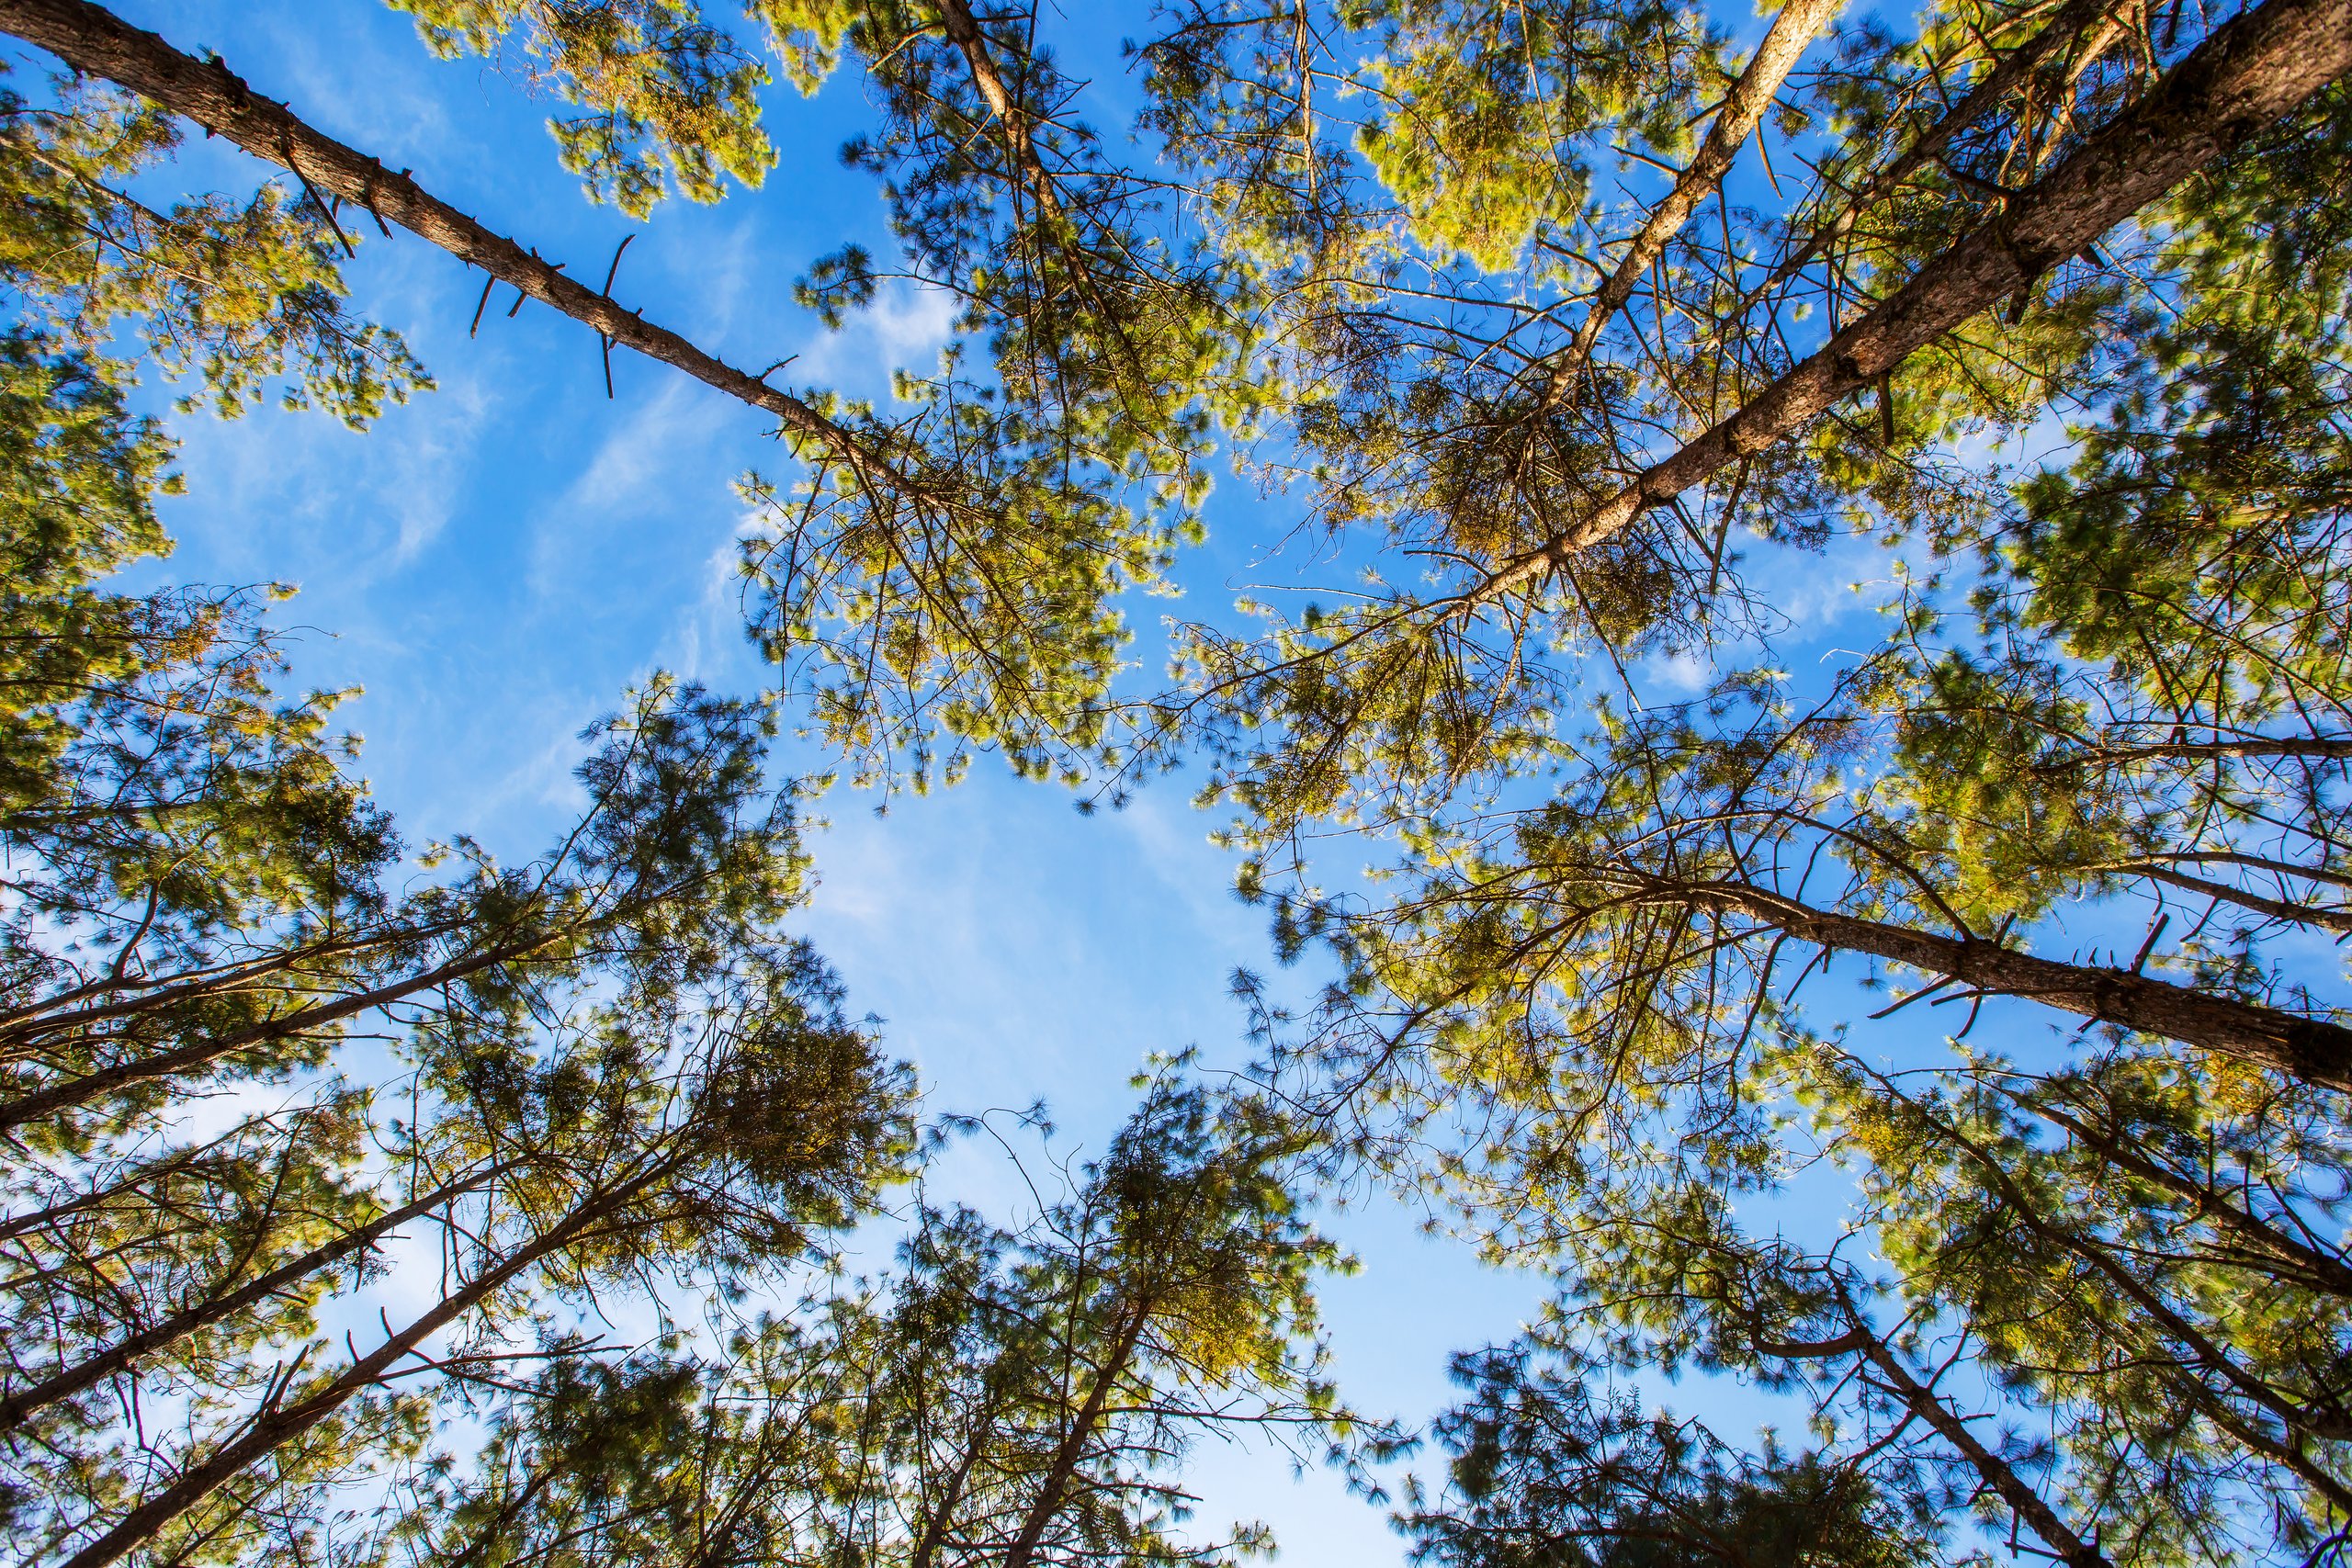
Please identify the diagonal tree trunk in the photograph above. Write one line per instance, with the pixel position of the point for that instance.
(2316, 748)
(1072, 1450)
(2309, 1049)
(95, 42)
(151, 993)
(275, 1427)
(1998, 1476)
(2199, 1351)
(72, 1093)
(1792, 31)
(963, 30)
(2235, 84)
(1863, 1340)
(20, 1405)
(2331, 917)
(941, 1518)
(2271, 1247)
(25, 1222)
(2004, 78)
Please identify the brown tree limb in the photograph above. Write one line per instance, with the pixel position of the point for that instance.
(1998, 1475)
(66, 1381)
(2318, 748)
(2312, 1050)
(2010, 71)
(2305, 1264)
(963, 30)
(274, 1426)
(95, 42)
(2330, 917)
(2232, 87)
(1063, 1466)
(70, 1093)
(1742, 112)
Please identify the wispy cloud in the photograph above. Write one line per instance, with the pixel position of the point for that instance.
(290, 486)
(636, 473)
(1682, 674)
(904, 329)
(706, 643)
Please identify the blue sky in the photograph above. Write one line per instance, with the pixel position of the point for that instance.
(497, 561)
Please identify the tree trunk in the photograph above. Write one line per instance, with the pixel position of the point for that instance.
(149, 993)
(2005, 77)
(942, 1516)
(2235, 857)
(2268, 1248)
(1743, 109)
(1999, 1478)
(74, 1093)
(2308, 1049)
(20, 1405)
(95, 42)
(2232, 86)
(273, 1428)
(963, 30)
(28, 1221)
(2322, 748)
(2331, 917)
(2201, 1353)
(1072, 1448)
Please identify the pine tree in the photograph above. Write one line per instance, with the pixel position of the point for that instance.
(630, 1076)
(1024, 1395)
(1545, 1472)
(1500, 292)
(664, 1457)
(619, 1065)
(1038, 1389)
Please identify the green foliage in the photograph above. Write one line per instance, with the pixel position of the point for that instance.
(236, 294)
(1547, 1473)
(662, 1457)
(665, 99)
(1042, 1385)
(2083, 1292)
(1057, 457)
(1024, 1395)
(1497, 105)
(623, 1077)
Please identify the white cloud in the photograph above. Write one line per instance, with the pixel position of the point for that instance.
(1816, 591)
(1683, 674)
(911, 324)
(904, 329)
(632, 474)
(620, 475)
(707, 642)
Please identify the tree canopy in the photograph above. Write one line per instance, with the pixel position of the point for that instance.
(1569, 333)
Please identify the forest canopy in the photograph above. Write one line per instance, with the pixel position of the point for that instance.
(1943, 1036)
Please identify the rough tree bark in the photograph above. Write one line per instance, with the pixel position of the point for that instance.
(2268, 1245)
(2005, 77)
(95, 42)
(2309, 1049)
(1072, 1448)
(964, 31)
(2235, 85)
(20, 1405)
(1743, 109)
(71, 1093)
(276, 1424)
(2333, 917)
(1999, 1478)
